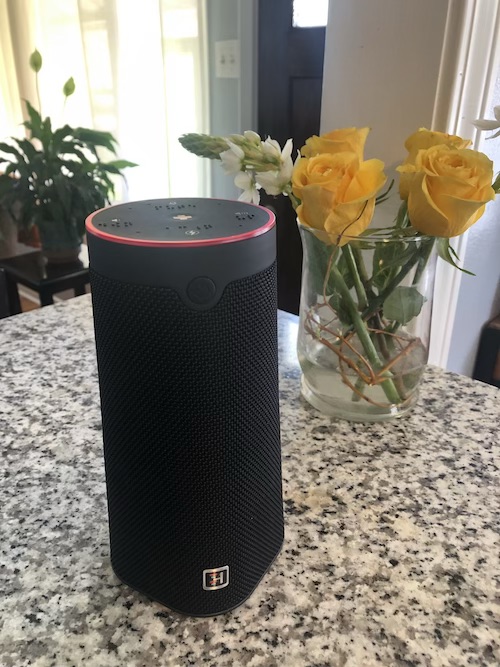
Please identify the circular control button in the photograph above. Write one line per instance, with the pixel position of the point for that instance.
(201, 290)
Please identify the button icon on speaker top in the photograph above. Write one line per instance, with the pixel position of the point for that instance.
(201, 290)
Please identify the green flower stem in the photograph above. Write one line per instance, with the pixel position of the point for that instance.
(359, 325)
(358, 283)
(388, 350)
(360, 386)
(358, 258)
(423, 259)
(377, 303)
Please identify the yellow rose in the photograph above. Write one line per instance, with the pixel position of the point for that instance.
(448, 189)
(337, 194)
(422, 140)
(350, 139)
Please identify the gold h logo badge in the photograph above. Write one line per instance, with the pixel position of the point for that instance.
(215, 578)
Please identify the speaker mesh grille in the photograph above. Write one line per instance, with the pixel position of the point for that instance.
(191, 438)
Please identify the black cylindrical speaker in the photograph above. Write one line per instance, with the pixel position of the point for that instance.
(185, 308)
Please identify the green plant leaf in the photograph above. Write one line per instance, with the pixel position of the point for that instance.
(95, 138)
(496, 183)
(35, 61)
(383, 262)
(122, 164)
(69, 87)
(63, 188)
(447, 252)
(403, 304)
(35, 121)
(12, 150)
(28, 149)
(6, 185)
(11, 169)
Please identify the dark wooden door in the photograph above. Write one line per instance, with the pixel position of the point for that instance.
(290, 75)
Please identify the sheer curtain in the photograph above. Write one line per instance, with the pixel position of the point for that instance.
(139, 69)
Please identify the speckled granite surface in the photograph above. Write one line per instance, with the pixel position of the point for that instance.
(392, 530)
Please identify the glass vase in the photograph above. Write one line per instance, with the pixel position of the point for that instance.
(365, 315)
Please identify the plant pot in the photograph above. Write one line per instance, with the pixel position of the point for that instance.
(365, 315)
(61, 241)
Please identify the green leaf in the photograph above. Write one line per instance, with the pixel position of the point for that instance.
(11, 169)
(496, 183)
(69, 87)
(36, 61)
(60, 135)
(46, 134)
(122, 164)
(447, 252)
(35, 121)
(6, 185)
(94, 138)
(28, 149)
(12, 150)
(387, 259)
(403, 304)
(63, 189)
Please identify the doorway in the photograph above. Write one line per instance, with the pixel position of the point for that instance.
(291, 45)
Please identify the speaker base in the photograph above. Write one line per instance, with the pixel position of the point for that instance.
(190, 614)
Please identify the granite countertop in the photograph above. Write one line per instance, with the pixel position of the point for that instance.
(392, 544)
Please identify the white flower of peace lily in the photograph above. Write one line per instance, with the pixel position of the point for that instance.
(232, 159)
(247, 183)
(484, 124)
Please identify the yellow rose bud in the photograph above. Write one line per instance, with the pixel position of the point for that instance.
(448, 189)
(337, 194)
(422, 140)
(349, 139)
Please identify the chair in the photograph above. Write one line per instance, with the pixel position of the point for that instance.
(487, 367)
(4, 298)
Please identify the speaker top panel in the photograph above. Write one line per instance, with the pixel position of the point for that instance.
(182, 222)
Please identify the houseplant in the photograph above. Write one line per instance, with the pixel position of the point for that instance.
(54, 178)
(366, 292)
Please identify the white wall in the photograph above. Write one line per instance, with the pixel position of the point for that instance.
(479, 295)
(233, 102)
(382, 61)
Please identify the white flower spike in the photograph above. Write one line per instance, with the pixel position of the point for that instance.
(277, 181)
(484, 124)
(232, 159)
(247, 183)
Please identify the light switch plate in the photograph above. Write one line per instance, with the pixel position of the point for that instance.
(227, 59)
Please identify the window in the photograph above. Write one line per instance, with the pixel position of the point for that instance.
(310, 13)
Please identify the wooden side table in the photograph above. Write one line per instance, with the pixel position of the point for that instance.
(33, 271)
